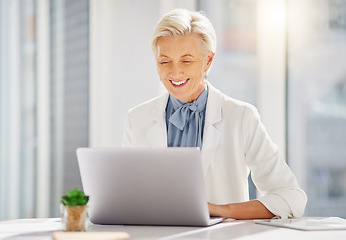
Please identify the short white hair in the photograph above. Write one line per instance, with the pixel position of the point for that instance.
(182, 22)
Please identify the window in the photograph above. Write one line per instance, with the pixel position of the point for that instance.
(44, 103)
(69, 99)
(235, 67)
(17, 109)
(317, 103)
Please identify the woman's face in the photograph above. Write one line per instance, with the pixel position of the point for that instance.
(182, 66)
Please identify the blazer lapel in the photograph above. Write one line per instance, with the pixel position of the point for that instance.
(212, 128)
(157, 134)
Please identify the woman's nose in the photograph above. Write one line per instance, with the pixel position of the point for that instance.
(176, 72)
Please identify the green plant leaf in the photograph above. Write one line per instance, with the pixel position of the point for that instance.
(74, 198)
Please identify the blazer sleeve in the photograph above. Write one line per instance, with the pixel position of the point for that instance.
(282, 194)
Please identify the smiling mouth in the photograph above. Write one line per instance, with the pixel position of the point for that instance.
(179, 83)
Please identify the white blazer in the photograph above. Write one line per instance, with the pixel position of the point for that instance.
(234, 142)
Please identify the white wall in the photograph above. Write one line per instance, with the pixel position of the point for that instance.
(122, 70)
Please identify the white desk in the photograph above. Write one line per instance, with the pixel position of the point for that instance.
(40, 229)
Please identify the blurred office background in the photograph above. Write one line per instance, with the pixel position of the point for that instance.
(70, 69)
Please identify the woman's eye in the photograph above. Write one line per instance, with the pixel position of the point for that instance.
(186, 61)
(163, 62)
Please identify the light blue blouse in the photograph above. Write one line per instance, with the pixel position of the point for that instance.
(185, 121)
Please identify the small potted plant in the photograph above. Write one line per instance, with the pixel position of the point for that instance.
(74, 210)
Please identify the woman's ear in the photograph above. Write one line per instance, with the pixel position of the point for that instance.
(210, 58)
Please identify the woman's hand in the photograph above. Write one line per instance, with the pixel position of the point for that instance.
(253, 209)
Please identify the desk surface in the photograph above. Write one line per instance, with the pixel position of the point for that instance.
(40, 229)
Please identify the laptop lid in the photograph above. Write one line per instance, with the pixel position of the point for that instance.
(162, 186)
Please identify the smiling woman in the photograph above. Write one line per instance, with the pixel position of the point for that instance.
(182, 66)
(192, 113)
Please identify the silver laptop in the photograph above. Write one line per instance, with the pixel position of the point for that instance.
(162, 186)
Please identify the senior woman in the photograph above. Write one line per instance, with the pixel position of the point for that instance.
(192, 113)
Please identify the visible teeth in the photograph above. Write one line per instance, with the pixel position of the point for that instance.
(179, 83)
